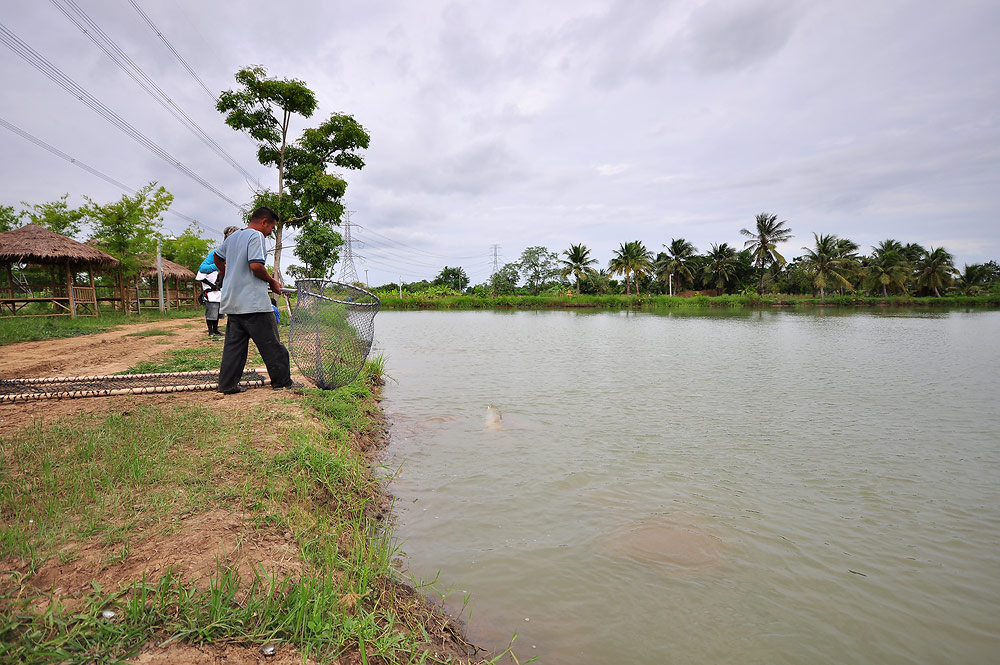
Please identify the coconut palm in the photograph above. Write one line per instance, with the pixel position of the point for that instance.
(887, 267)
(825, 264)
(721, 266)
(936, 269)
(769, 232)
(973, 278)
(678, 263)
(577, 263)
(631, 259)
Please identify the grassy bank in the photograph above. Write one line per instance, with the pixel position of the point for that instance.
(90, 504)
(36, 328)
(658, 302)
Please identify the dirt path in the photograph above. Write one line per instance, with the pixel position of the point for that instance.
(105, 353)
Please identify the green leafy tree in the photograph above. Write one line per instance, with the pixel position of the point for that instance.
(10, 218)
(318, 246)
(887, 268)
(826, 263)
(56, 216)
(936, 270)
(263, 108)
(504, 281)
(578, 263)
(189, 249)
(722, 266)
(538, 267)
(453, 278)
(128, 228)
(973, 279)
(631, 259)
(679, 263)
(763, 242)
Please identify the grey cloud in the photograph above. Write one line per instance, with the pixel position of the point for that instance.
(734, 36)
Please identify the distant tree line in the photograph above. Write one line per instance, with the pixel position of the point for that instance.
(831, 264)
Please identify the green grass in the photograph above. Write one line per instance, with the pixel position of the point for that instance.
(28, 329)
(118, 478)
(152, 332)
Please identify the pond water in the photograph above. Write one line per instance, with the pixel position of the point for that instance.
(734, 487)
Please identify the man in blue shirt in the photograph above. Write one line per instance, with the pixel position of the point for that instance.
(246, 302)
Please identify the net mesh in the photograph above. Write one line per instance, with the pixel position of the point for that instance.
(331, 332)
(115, 384)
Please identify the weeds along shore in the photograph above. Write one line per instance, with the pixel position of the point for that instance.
(191, 526)
(660, 302)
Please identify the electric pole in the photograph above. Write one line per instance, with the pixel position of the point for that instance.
(496, 265)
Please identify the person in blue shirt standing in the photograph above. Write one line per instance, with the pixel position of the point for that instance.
(246, 302)
(208, 276)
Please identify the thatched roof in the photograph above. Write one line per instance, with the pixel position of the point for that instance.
(170, 269)
(36, 244)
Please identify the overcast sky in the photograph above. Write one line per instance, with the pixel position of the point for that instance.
(544, 123)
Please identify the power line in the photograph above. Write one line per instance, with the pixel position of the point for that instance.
(33, 58)
(120, 58)
(438, 256)
(89, 169)
(170, 46)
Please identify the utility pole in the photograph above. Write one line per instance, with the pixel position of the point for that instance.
(496, 265)
(348, 274)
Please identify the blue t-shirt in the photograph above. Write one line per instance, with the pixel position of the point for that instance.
(242, 291)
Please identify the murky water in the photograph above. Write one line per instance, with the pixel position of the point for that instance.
(743, 487)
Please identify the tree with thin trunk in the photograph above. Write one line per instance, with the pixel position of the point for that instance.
(679, 262)
(936, 270)
(264, 108)
(886, 267)
(577, 263)
(763, 241)
(631, 259)
(826, 264)
(721, 266)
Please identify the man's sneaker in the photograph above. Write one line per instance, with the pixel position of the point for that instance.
(234, 391)
(294, 385)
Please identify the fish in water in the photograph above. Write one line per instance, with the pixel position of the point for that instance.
(493, 418)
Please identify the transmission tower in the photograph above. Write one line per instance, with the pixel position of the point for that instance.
(496, 264)
(348, 274)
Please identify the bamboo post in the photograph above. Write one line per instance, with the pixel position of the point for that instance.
(69, 291)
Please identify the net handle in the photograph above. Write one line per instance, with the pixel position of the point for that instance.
(352, 303)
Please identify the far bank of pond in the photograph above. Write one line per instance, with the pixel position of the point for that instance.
(654, 302)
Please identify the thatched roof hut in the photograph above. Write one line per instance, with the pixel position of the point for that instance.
(170, 269)
(36, 244)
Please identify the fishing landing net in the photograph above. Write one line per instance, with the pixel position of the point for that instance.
(331, 332)
(116, 384)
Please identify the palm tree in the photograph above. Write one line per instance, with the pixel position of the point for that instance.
(825, 263)
(973, 278)
(936, 269)
(721, 265)
(577, 263)
(678, 262)
(631, 258)
(762, 243)
(886, 267)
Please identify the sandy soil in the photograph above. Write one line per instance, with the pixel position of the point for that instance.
(194, 543)
(105, 353)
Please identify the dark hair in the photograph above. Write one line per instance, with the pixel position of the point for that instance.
(264, 215)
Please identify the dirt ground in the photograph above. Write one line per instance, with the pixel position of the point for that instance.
(105, 353)
(196, 542)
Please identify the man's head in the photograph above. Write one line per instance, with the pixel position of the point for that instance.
(264, 220)
(229, 230)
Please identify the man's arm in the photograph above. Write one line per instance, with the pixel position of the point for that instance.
(220, 263)
(260, 272)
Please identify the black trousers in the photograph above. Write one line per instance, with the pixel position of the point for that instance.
(263, 330)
